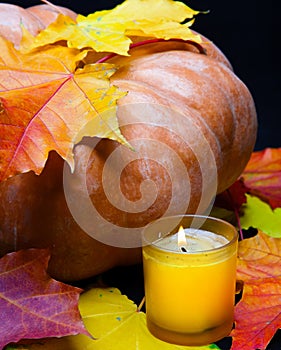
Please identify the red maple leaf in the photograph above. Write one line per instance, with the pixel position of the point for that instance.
(258, 314)
(233, 197)
(33, 305)
(262, 176)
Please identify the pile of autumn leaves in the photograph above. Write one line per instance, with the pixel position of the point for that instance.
(33, 305)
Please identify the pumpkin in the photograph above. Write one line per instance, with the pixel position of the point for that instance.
(192, 124)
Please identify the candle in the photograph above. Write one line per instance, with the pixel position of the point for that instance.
(190, 277)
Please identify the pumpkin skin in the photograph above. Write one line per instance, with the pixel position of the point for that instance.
(34, 213)
(34, 19)
(48, 14)
(203, 92)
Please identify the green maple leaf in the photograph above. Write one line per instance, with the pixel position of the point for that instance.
(258, 214)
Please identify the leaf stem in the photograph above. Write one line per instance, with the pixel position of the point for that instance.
(141, 304)
(152, 41)
(52, 5)
(236, 212)
(239, 224)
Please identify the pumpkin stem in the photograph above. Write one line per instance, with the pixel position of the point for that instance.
(152, 41)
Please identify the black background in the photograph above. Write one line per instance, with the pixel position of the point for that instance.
(247, 31)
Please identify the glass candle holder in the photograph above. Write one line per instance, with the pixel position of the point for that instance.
(190, 284)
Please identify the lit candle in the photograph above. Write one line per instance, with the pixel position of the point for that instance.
(190, 279)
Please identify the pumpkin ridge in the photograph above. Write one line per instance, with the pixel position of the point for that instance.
(172, 105)
(150, 84)
(172, 102)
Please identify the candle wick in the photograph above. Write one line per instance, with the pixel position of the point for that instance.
(183, 249)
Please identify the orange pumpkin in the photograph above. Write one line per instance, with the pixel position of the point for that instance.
(192, 124)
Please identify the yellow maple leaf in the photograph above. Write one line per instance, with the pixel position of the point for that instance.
(163, 30)
(110, 30)
(153, 10)
(159, 19)
(115, 323)
(95, 31)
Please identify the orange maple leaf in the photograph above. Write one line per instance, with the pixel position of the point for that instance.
(46, 103)
(258, 314)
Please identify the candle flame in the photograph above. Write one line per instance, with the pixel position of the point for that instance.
(182, 243)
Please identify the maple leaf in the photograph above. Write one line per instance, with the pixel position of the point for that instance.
(262, 176)
(110, 30)
(159, 19)
(32, 305)
(153, 10)
(115, 323)
(258, 214)
(258, 314)
(46, 104)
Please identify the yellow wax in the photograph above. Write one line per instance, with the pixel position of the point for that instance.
(192, 292)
